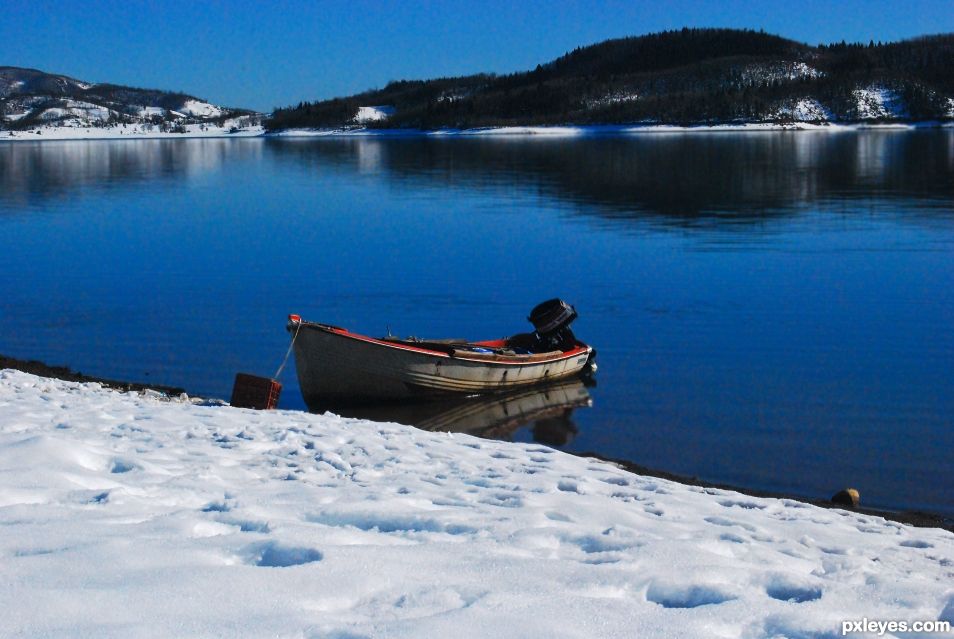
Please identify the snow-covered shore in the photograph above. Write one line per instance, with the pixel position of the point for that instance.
(138, 132)
(130, 132)
(613, 130)
(134, 515)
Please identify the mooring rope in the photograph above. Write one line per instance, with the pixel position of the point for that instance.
(288, 352)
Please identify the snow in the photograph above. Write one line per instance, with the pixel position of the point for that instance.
(200, 109)
(455, 95)
(950, 107)
(766, 72)
(9, 86)
(138, 515)
(73, 129)
(76, 113)
(806, 110)
(878, 102)
(801, 70)
(148, 112)
(546, 132)
(373, 113)
(618, 97)
(83, 115)
(553, 131)
(53, 114)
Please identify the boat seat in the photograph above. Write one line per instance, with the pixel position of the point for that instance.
(498, 357)
(414, 341)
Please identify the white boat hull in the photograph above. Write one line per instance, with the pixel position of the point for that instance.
(338, 367)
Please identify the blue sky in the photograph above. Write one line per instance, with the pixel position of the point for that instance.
(266, 54)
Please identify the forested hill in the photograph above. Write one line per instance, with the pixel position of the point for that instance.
(692, 76)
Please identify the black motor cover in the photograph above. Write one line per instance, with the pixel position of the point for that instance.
(550, 316)
(552, 320)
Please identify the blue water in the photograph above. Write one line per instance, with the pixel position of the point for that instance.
(771, 310)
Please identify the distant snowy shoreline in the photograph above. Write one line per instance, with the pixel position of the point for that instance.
(130, 132)
(128, 514)
(205, 131)
(610, 130)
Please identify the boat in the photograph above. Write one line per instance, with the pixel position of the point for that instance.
(337, 367)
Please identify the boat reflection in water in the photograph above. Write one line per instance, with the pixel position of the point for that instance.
(547, 410)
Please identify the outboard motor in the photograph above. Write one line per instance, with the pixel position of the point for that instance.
(551, 321)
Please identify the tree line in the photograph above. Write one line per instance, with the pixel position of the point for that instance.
(681, 77)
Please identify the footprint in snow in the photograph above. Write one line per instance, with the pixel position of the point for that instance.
(503, 500)
(627, 497)
(875, 530)
(916, 543)
(247, 525)
(785, 591)
(687, 595)
(732, 537)
(748, 505)
(338, 634)
(274, 555)
(557, 516)
(216, 507)
(400, 524)
(119, 466)
(568, 486)
(724, 521)
(595, 544)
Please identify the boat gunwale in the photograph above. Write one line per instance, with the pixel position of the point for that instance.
(343, 332)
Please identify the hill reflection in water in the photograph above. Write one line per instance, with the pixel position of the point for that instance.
(680, 179)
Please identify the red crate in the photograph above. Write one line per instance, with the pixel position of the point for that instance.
(260, 393)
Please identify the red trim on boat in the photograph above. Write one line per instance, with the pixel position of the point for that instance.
(343, 332)
(379, 342)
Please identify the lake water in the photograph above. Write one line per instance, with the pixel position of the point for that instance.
(771, 310)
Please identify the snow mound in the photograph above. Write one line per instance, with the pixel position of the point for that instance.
(555, 131)
(148, 112)
(879, 103)
(373, 113)
(196, 108)
(805, 110)
(134, 515)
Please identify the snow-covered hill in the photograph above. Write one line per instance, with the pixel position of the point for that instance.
(58, 106)
(127, 515)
